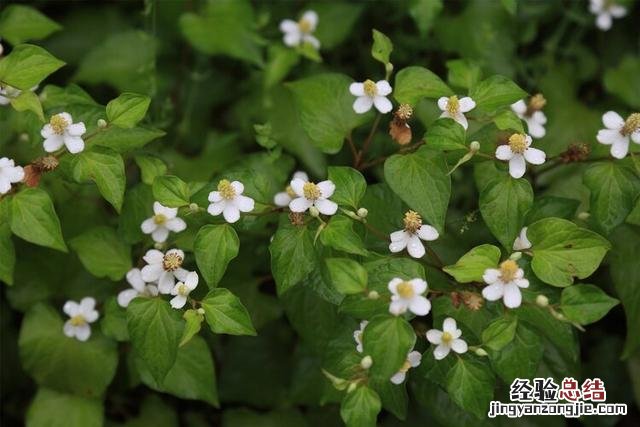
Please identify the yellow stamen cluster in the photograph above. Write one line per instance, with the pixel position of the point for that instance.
(78, 320)
(518, 143)
(159, 219)
(58, 124)
(171, 261)
(311, 191)
(446, 337)
(370, 88)
(226, 190)
(183, 289)
(290, 192)
(305, 26)
(631, 125)
(404, 112)
(406, 366)
(537, 102)
(453, 105)
(508, 270)
(412, 221)
(405, 290)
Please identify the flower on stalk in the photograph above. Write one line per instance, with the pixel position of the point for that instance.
(369, 94)
(138, 287)
(605, 11)
(296, 33)
(413, 360)
(618, 132)
(446, 340)
(532, 115)
(522, 242)
(407, 295)
(162, 222)
(454, 108)
(283, 198)
(164, 269)
(9, 174)
(81, 315)
(182, 290)
(357, 335)
(518, 152)
(505, 283)
(410, 237)
(309, 194)
(61, 131)
(229, 201)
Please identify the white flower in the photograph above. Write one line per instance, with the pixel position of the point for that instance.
(164, 268)
(229, 201)
(410, 237)
(62, 131)
(182, 290)
(618, 132)
(357, 335)
(370, 93)
(518, 152)
(532, 115)
(413, 360)
(605, 11)
(296, 33)
(521, 243)
(505, 283)
(163, 220)
(408, 295)
(284, 198)
(446, 340)
(310, 194)
(7, 92)
(454, 108)
(138, 287)
(80, 316)
(9, 174)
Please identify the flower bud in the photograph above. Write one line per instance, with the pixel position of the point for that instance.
(584, 216)
(542, 300)
(388, 67)
(102, 123)
(481, 352)
(474, 146)
(158, 245)
(373, 295)
(351, 387)
(362, 212)
(558, 316)
(200, 311)
(193, 207)
(366, 362)
(515, 256)
(314, 212)
(24, 137)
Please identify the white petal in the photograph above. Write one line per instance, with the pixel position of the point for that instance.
(414, 358)
(87, 304)
(83, 332)
(311, 40)
(449, 325)
(603, 21)
(326, 207)
(384, 88)
(491, 275)
(292, 38)
(76, 129)
(297, 185)
(166, 282)
(612, 120)
(467, 104)
(535, 156)
(427, 232)
(459, 346)
(536, 129)
(617, 11)
(192, 280)
(134, 278)
(420, 306)
(288, 25)
(67, 117)
(512, 295)
(635, 136)
(517, 166)
(176, 224)
(47, 131)
(393, 285)
(382, 104)
(300, 204)
(153, 256)
(460, 118)
(399, 244)
(434, 336)
(53, 143)
(301, 175)
(399, 235)
(68, 329)
(178, 301)
(231, 213)
(216, 208)
(160, 235)
(214, 197)
(441, 351)
(522, 242)
(282, 199)
(521, 283)
(163, 210)
(312, 18)
(74, 144)
(362, 104)
(327, 188)
(5, 185)
(244, 203)
(356, 89)
(415, 247)
(493, 292)
(398, 378)
(125, 297)
(503, 152)
(419, 285)
(519, 107)
(442, 103)
(15, 174)
(238, 187)
(620, 148)
(152, 272)
(397, 307)
(609, 136)
(148, 226)
(180, 274)
(71, 308)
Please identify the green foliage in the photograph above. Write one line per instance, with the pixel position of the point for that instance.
(170, 191)
(106, 168)
(102, 252)
(26, 66)
(55, 409)
(382, 47)
(34, 219)
(20, 23)
(215, 246)
(347, 276)
(471, 266)
(585, 304)
(414, 83)
(360, 407)
(225, 313)
(127, 110)
(388, 340)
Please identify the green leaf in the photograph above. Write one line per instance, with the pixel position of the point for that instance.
(20, 23)
(123, 140)
(503, 204)
(350, 185)
(193, 376)
(336, 21)
(150, 167)
(471, 266)
(34, 219)
(424, 13)
(171, 191)
(65, 364)
(325, 107)
(510, 6)
(8, 258)
(614, 188)
(550, 206)
(463, 73)
(53, 409)
(445, 134)
(382, 47)
(114, 321)
(137, 206)
(26, 66)
(387, 339)
(215, 246)
(155, 330)
(414, 83)
(347, 275)
(585, 304)
(28, 101)
(235, 34)
(562, 251)
(102, 252)
(281, 59)
(624, 80)
(508, 120)
(339, 235)
(496, 92)
(470, 385)
(499, 333)
(128, 109)
(409, 175)
(225, 313)
(520, 357)
(106, 168)
(293, 256)
(360, 408)
(193, 323)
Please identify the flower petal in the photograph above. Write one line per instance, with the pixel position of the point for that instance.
(166, 282)
(300, 204)
(326, 207)
(356, 89)
(612, 120)
(419, 285)
(459, 346)
(460, 118)
(160, 234)
(398, 378)
(503, 152)
(415, 247)
(76, 129)
(71, 308)
(244, 203)
(522, 242)
(384, 88)
(288, 25)
(134, 278)
(292, 38)
(83, 332)
(362, 104)
(74, 144)
(443, 101)
(428, 233)
(153, 256)
(231, 213)
(282, 199)
(178, 301)
(620, 148)
(398, 307)
(467, 104)
(214, 196)
(535, 156)
(297, 185)
(382, 104)
(441, 351)
(238, 187)
(609, 136)
(493, 292)
(125, 297)
(512, 296)
(216, 208)
(449, 325)
(420, 306)
(312, 18)
(519, 107)
(53, 143)
(393, 285)
(517, 166)
(434, 336)
(491, 275)
(327, 188)
(414, 358)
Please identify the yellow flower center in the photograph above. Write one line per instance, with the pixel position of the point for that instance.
(631, 125)
(508, 270)
(171, 261)
(518, 143)
(412, 221)
(537, 102)
(405, 366)
(226, 189)
(405, 290)
(183, 289)
(370, 88)
(290, 192)
(446, 337)
(305, 26)
(311, 191)
(159, 219)
(78, 320)
(58, 124)
(453, 105)
(405, 111)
